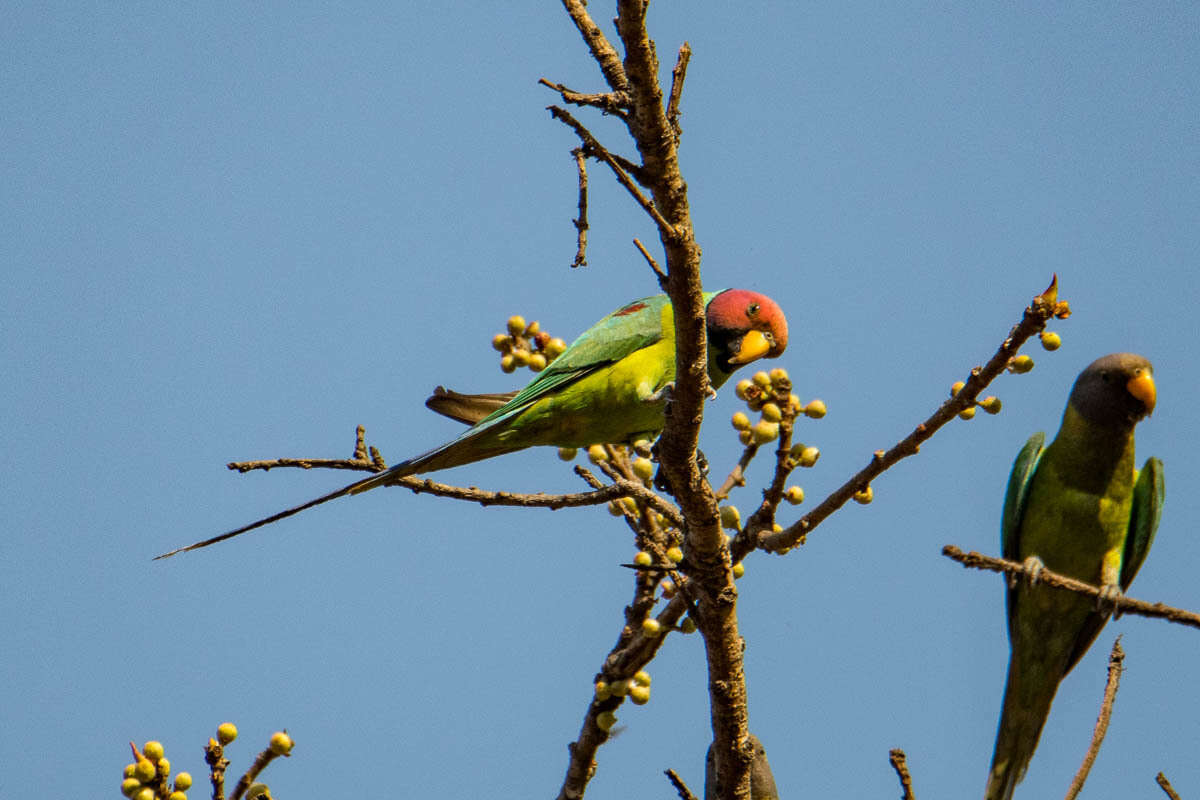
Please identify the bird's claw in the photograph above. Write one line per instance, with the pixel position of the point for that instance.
(665, 393)
(1106, 601)
(1033, 567)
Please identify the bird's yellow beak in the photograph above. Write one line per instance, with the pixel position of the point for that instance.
(1141, 386)
(755, 345)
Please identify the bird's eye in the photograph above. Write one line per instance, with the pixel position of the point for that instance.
(752, 311)
(1104, 376)
(770, 337)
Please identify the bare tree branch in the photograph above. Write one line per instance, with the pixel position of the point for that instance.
(601, 50)
(1115, 661)
(658, 273)
(1162, 781)
(1043, 308)
(900, 764)
(581, 222)
(1121, 605)
(608, 102)
(684, 792)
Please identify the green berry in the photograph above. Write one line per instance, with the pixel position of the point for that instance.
(687, 625)
(1051, 340)
(226, 732)
(145, 771)
(605, 720)
(794, 495)
(731, 519)
(640, 695)
(1021, 364)
(258, 791)
(281, 744)
(643, 468)
(765, 431)
(183, 781)
(568, 453)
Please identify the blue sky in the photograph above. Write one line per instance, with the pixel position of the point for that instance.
(239, 232)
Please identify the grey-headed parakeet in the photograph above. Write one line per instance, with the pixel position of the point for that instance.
(1081, 508)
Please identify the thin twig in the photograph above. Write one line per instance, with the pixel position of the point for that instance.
(622, 174)
(260, 763)
(214, 756)
(658, 272)
(603, 52)
(1044, 307)
(677, 76)
(1115, 661)
(900, 764)
(1166, 786)
(614, 103)
(1121, 604)
(581, 223)
(684, 792)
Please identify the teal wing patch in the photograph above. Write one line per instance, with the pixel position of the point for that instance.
(1014, 507)
(1143, 521)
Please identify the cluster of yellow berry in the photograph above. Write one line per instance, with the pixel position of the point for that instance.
(148, 777)
(769, 394)
(1021, 364)
(526, 345)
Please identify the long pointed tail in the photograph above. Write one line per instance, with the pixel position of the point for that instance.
(357, 487)
(1027, 697)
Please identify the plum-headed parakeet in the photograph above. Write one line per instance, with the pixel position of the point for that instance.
(611, 385)
(1081, 508)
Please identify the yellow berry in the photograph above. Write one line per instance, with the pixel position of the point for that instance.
(618, 688)
(516, 325)
(739, 569)
(640, 695)
(990, 404)
(532, 328)
(668, 588)
(555, 348)
(568, 453)
(130, 787)
(537, 362)
(643, 468)
(605, 720)
(675, 554)
(226, 732)
(183, 781)
(629, 504)
(765, 431)
(603, 692)
(614, 508)
(779, 375)
(815, 409)
(730, 518)
(130, 769)
(807, 456)
(651, 627)
(794, 495)
(740, 421)
(1021, 364)
(794, 405)
(1051, 340)
(864, 496)
(502, 343)
(762, 379)
(177, 796)
(144, 793)
(152, 750)
(643, 559)
(967, 413)
(776, 527)
(597, 453)
(145, 771)
(281, 744)
(642, 678)
(745, 437)
(771, 412)
(956, 387)
(520, 357)
(507, 362)
(744, 388)
(688, 625)
(164, 767)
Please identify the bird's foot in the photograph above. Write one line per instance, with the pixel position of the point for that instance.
(1033, 569)
(1106, 601)
(664, 393)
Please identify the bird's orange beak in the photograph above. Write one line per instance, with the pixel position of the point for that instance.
(1141, 386)
(755, 344)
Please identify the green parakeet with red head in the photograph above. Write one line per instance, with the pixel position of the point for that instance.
(610, 386)
(1080, 508)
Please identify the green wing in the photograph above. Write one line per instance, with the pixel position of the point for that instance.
(1143, 520)
(1014, 507)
